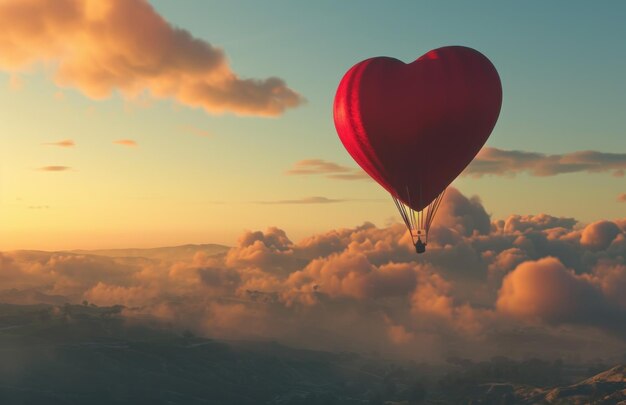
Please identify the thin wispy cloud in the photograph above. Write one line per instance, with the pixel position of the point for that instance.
(92, 47)
(66, 143)
(54, 168)
(492, 161)
(15, 83)
(499, 162)
(306, 200)
(621, 198)
(38, 207)
(126, 142)
(196, 131)
(327, 169)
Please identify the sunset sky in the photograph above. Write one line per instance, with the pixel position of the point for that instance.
(137, 135)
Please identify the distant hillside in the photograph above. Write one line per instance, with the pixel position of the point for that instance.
(30, 297)
(608, 387)
(84, 354)
(173, 253)
(605, 388)
(79, 354)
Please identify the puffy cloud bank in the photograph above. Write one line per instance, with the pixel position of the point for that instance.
(102, 46)
(533, 284)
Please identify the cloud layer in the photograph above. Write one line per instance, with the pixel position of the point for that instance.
(499, 162)
(306, 200)
(106, 46)
(493, 161)
(54, 168)
(126, 142)
(67, 143)
(533, 284)
(328, 169)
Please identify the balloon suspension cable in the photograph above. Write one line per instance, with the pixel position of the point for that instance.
(418, 222)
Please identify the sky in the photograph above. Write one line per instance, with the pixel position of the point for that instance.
(110, 136)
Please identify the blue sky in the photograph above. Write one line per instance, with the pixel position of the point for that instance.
(561, 65)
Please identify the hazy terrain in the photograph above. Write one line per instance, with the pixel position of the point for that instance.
(525, 310)
(173, 253)
(73, 354)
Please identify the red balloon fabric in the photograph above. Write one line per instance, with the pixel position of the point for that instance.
(414, 127)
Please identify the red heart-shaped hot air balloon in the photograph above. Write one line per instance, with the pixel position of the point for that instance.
(414, 127)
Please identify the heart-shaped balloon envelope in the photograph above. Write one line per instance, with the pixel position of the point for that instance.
(414, 127)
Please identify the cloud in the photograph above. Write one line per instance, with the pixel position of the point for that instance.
(499, 162)
(399, 335)
(621, 197)
(317, 166)
(328, 169)
(611, 278)
(318, 200)
(54, 168)
(350, 274)
(105, 294)
(126, 142)
(484, 287)
(15, 83)
(196, 131)
(493, 161)
(547, 290)
(106, 46)
(306, 200)
(599, 235)
(465, 215)
(523, 223)
(66, 143)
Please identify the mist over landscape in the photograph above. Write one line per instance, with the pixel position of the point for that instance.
(486, 288)
(337, 308)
